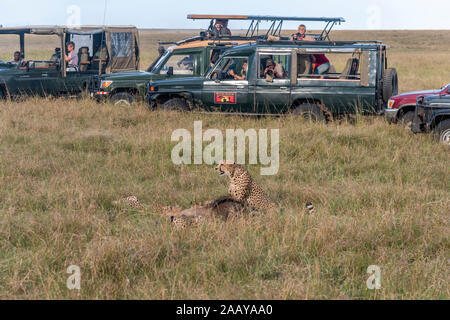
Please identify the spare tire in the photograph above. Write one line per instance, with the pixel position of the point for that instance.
(390, 84)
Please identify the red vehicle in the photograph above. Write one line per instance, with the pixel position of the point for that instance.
(401, 107)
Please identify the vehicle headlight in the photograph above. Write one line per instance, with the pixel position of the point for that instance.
(105, 84)
(391, 103)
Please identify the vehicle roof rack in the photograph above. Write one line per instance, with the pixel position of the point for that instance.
(277, 23)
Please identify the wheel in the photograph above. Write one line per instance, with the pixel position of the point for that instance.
(122, 99)
(175, 104)
(390, 84)
(442, 132)
(407, 119)
(2, 94)
(309, 112)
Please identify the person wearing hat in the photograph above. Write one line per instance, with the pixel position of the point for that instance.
(274, 70)
(220, 29)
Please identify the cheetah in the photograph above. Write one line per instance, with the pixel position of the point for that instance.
(243, 188)
(131, 201)
(223, 207)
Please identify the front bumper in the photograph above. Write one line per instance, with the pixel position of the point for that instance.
(391, 115)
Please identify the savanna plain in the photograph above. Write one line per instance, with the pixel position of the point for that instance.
(382, 197)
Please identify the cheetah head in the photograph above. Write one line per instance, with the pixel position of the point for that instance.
(227, 167)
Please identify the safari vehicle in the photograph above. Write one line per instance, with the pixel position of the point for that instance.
(432, 114)
(363, 83)
(193, 57)
(101, 50)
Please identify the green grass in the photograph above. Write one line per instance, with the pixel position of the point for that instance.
(381, 196)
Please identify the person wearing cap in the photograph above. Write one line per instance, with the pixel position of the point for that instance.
(274, 70)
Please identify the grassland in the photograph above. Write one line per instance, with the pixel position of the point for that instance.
(382, 197)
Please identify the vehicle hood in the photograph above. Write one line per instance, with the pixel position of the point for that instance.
(436, 99)
(415, 94)
(182, 82)
(128, 75)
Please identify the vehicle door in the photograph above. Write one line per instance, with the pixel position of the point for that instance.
(38, 78)
(226, 88)
(183, 64)
(273, 84)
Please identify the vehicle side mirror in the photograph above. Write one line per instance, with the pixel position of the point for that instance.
(169, 72)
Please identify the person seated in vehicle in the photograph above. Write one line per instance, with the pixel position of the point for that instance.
(187, 63)
(71, 57)
(321, 64)
(17, 59)
(301, 34)
(239, 75)
(220, 29)
(56, 56)
(274, 70)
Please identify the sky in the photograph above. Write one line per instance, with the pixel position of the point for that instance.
(359, 14)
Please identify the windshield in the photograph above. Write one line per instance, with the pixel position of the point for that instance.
(161, 60)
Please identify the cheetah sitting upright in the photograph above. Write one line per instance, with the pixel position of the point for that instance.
(243, 188)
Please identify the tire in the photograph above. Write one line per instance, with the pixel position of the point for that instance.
(390, 84)
(309, 112)
(442, 132)
(407, 119)
(175, 104)
(122, 99)
(2, 94)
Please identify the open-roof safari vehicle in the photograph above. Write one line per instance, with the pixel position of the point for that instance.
(193, 57)
(101, 50)
(358, 80)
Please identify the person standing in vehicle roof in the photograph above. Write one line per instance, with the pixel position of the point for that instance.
(220, 29)
(301, 34)
(71, 57)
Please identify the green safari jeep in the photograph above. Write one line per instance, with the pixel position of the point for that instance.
(193, 57)
(101, 50)
(278, 77)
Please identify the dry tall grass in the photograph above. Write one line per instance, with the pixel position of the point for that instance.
(382, 197)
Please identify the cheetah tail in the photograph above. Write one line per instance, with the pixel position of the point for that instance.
(310, 207)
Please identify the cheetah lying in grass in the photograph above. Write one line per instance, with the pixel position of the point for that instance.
(245, 196)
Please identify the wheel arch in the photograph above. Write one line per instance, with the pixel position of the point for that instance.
(439, 118)
(166, 96)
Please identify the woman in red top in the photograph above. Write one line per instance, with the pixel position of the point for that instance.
(321, 64)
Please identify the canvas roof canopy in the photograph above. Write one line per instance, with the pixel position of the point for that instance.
(122, 42)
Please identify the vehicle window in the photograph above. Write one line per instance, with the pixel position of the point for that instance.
(337, 66)
(274, 66)
(231, 68)
(182, 64)
(121, 44)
